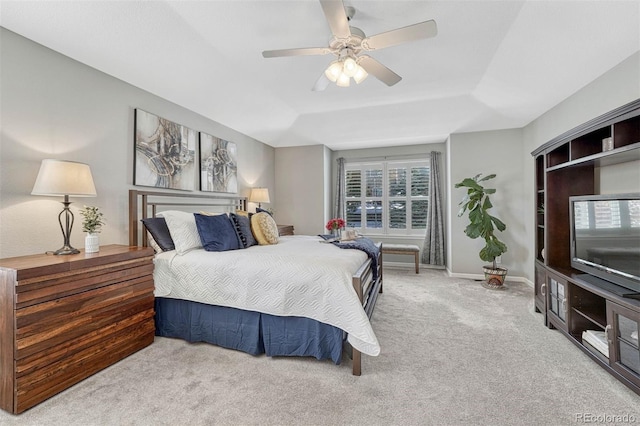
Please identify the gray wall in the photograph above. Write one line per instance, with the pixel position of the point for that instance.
(301, 182)
(619, 178)
(55, 107)
(488, 152)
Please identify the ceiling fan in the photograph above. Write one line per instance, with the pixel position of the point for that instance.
(348, 44)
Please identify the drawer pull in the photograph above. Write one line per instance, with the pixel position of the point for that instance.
(543, 289)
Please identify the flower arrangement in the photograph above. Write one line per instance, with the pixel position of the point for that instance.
(92, 219)
(335, 224)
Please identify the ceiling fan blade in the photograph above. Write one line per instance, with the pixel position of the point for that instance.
(336, 17)
(378, 70)
(413, 32)
(321, 84)
(296, 52)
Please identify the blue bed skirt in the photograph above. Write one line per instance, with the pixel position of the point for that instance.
(251, 332)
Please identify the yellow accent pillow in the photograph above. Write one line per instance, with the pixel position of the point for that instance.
(264, 229)
(242, 213)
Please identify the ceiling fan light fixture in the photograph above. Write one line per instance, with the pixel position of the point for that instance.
(360, 75)
(333, 71)
(343, 80)
(350, 67)
(348, 43)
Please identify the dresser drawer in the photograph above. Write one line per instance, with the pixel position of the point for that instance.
(54, 370)
(39, 327)
(42, 289)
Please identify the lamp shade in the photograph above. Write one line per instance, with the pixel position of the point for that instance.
(343, 80)
(360, 75)
(333, 71)
(259, 195)
(350, 67)
(57, 177)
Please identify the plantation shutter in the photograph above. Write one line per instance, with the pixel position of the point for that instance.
(397, 195)
(373, 208)
(387, 197)
(353, 198)
(419, 196)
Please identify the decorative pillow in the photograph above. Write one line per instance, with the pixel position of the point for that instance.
(242, 213)
(264, 228)
(183, 230)
(261, 210)
(157, 227)
(242, 225)
(217, 233)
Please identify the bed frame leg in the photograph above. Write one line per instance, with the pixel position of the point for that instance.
(357, 362)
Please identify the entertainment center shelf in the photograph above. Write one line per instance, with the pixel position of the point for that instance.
(598, 316)
(589, 144)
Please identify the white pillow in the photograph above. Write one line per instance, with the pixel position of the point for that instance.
(183, 230)
(152, 243)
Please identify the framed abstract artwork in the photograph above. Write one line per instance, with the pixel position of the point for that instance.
(164, 153)
(218, 165)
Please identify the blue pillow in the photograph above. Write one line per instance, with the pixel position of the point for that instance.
(217, 233)
(159, 230)
(242, 225)
(261, 210)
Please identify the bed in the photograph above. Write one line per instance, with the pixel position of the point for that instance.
(299, 297)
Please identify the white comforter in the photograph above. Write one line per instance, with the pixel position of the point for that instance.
(299, 276)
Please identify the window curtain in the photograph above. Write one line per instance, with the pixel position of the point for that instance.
(433, 248)
(339, 208)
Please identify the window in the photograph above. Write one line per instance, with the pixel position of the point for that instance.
(387, 197)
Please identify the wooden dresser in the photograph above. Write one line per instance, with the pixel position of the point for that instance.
(63, 318)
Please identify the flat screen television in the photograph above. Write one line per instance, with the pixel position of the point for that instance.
(605, 240)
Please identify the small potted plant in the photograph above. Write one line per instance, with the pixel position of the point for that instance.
(92, 221)
(483, 224)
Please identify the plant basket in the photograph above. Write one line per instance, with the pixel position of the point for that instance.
(494, 277)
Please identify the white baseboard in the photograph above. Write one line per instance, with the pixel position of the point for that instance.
(407, 265)
(477, 277)
(399, 265)
(480, 277)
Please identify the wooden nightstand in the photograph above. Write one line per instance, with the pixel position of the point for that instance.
(64, 318)
(285, 230)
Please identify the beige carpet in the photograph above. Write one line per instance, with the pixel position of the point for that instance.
(453, 352)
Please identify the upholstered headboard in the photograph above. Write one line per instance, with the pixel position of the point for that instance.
(145, 204)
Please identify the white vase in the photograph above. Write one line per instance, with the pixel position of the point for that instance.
(91, 243)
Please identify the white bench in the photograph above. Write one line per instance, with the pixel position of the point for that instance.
(403, 249)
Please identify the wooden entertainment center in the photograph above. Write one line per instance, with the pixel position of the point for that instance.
(566, 166)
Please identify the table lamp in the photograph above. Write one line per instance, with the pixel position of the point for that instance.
(66, 178)
(259, 195)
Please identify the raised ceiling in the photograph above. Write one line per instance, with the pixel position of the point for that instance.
(493, 64)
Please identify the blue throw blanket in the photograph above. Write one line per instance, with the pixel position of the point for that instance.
(364, 244)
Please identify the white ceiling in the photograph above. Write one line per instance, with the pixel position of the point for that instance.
(493, 64)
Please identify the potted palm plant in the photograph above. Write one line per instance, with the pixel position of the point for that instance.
(482, 224)
(92, 221)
